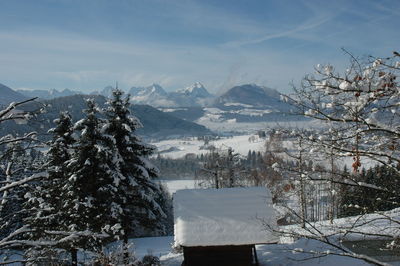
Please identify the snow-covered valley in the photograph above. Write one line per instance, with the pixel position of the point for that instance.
(178, 148)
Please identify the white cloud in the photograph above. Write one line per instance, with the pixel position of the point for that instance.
(43, 58)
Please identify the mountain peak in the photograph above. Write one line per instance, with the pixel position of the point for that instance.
(153, 95)
(155, 85)
(250, 95)
(195, 90)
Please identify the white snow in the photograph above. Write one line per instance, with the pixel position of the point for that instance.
(175, 185)
(178, 148)
(276, 254)
(238, 104)
(212, 119)
(374, 226)
(169, 110)
(229, 216)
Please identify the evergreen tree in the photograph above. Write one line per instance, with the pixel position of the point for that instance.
(89, 197)
(138, 192)
(366, 199)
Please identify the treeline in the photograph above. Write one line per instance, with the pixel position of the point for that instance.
(192, 166)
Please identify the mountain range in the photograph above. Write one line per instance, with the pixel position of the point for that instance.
(196, 95)
(156, 124)
(244, 103)
(47, 94)
(155, 95)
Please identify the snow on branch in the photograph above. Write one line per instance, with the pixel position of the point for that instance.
(23, 181)
(6, 114)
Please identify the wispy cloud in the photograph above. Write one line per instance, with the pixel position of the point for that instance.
(286, 33)
(175, 43)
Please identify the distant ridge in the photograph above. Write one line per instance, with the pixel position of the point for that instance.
(8, 95)
(155, 95)
(251, 95)
(156, 124)
(48, 94)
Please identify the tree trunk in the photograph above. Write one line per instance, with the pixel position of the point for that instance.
(331, 188)
(303, 199)
(74, 257)
(126, 251)
(216, 179)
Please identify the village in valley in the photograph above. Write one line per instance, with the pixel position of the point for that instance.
(287, 152)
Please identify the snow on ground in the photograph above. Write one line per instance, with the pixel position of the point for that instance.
(213, 120)
(296, 252)
(288, 252)
(174, 185)
(157, 246)
(178, 148)
(362, 227)
(273, 254)
(292, 254)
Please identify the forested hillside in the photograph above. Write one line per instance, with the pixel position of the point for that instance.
(156, 124)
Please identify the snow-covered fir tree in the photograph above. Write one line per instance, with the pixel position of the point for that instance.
(138, 193)
(90, 209)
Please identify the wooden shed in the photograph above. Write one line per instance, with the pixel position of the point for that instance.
(222, 226)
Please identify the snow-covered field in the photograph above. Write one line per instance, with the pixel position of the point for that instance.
(212, 119)
(174, 185)
(274, 254)
(178, 148)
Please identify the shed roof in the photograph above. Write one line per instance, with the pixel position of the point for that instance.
(228, 216)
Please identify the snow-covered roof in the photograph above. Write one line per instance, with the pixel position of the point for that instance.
(228, 216)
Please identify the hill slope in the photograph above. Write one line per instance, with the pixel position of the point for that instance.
(7, 95)
(156, 124)
(250, 96)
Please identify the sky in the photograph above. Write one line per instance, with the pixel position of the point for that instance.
(90, 44)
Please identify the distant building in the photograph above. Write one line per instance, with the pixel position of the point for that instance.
(222, 226)
(262, 134)
(190, 156)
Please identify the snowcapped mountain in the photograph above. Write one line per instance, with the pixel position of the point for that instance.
(197, 90)
(8, 95)
(195, 95)
(107, 91)
(153, 90)
(246, 103)
(155, 95)
(251, 96)
(48, 94)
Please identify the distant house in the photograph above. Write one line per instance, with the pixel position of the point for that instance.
(222, 226)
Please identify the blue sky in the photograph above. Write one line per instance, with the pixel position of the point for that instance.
(89, 44)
